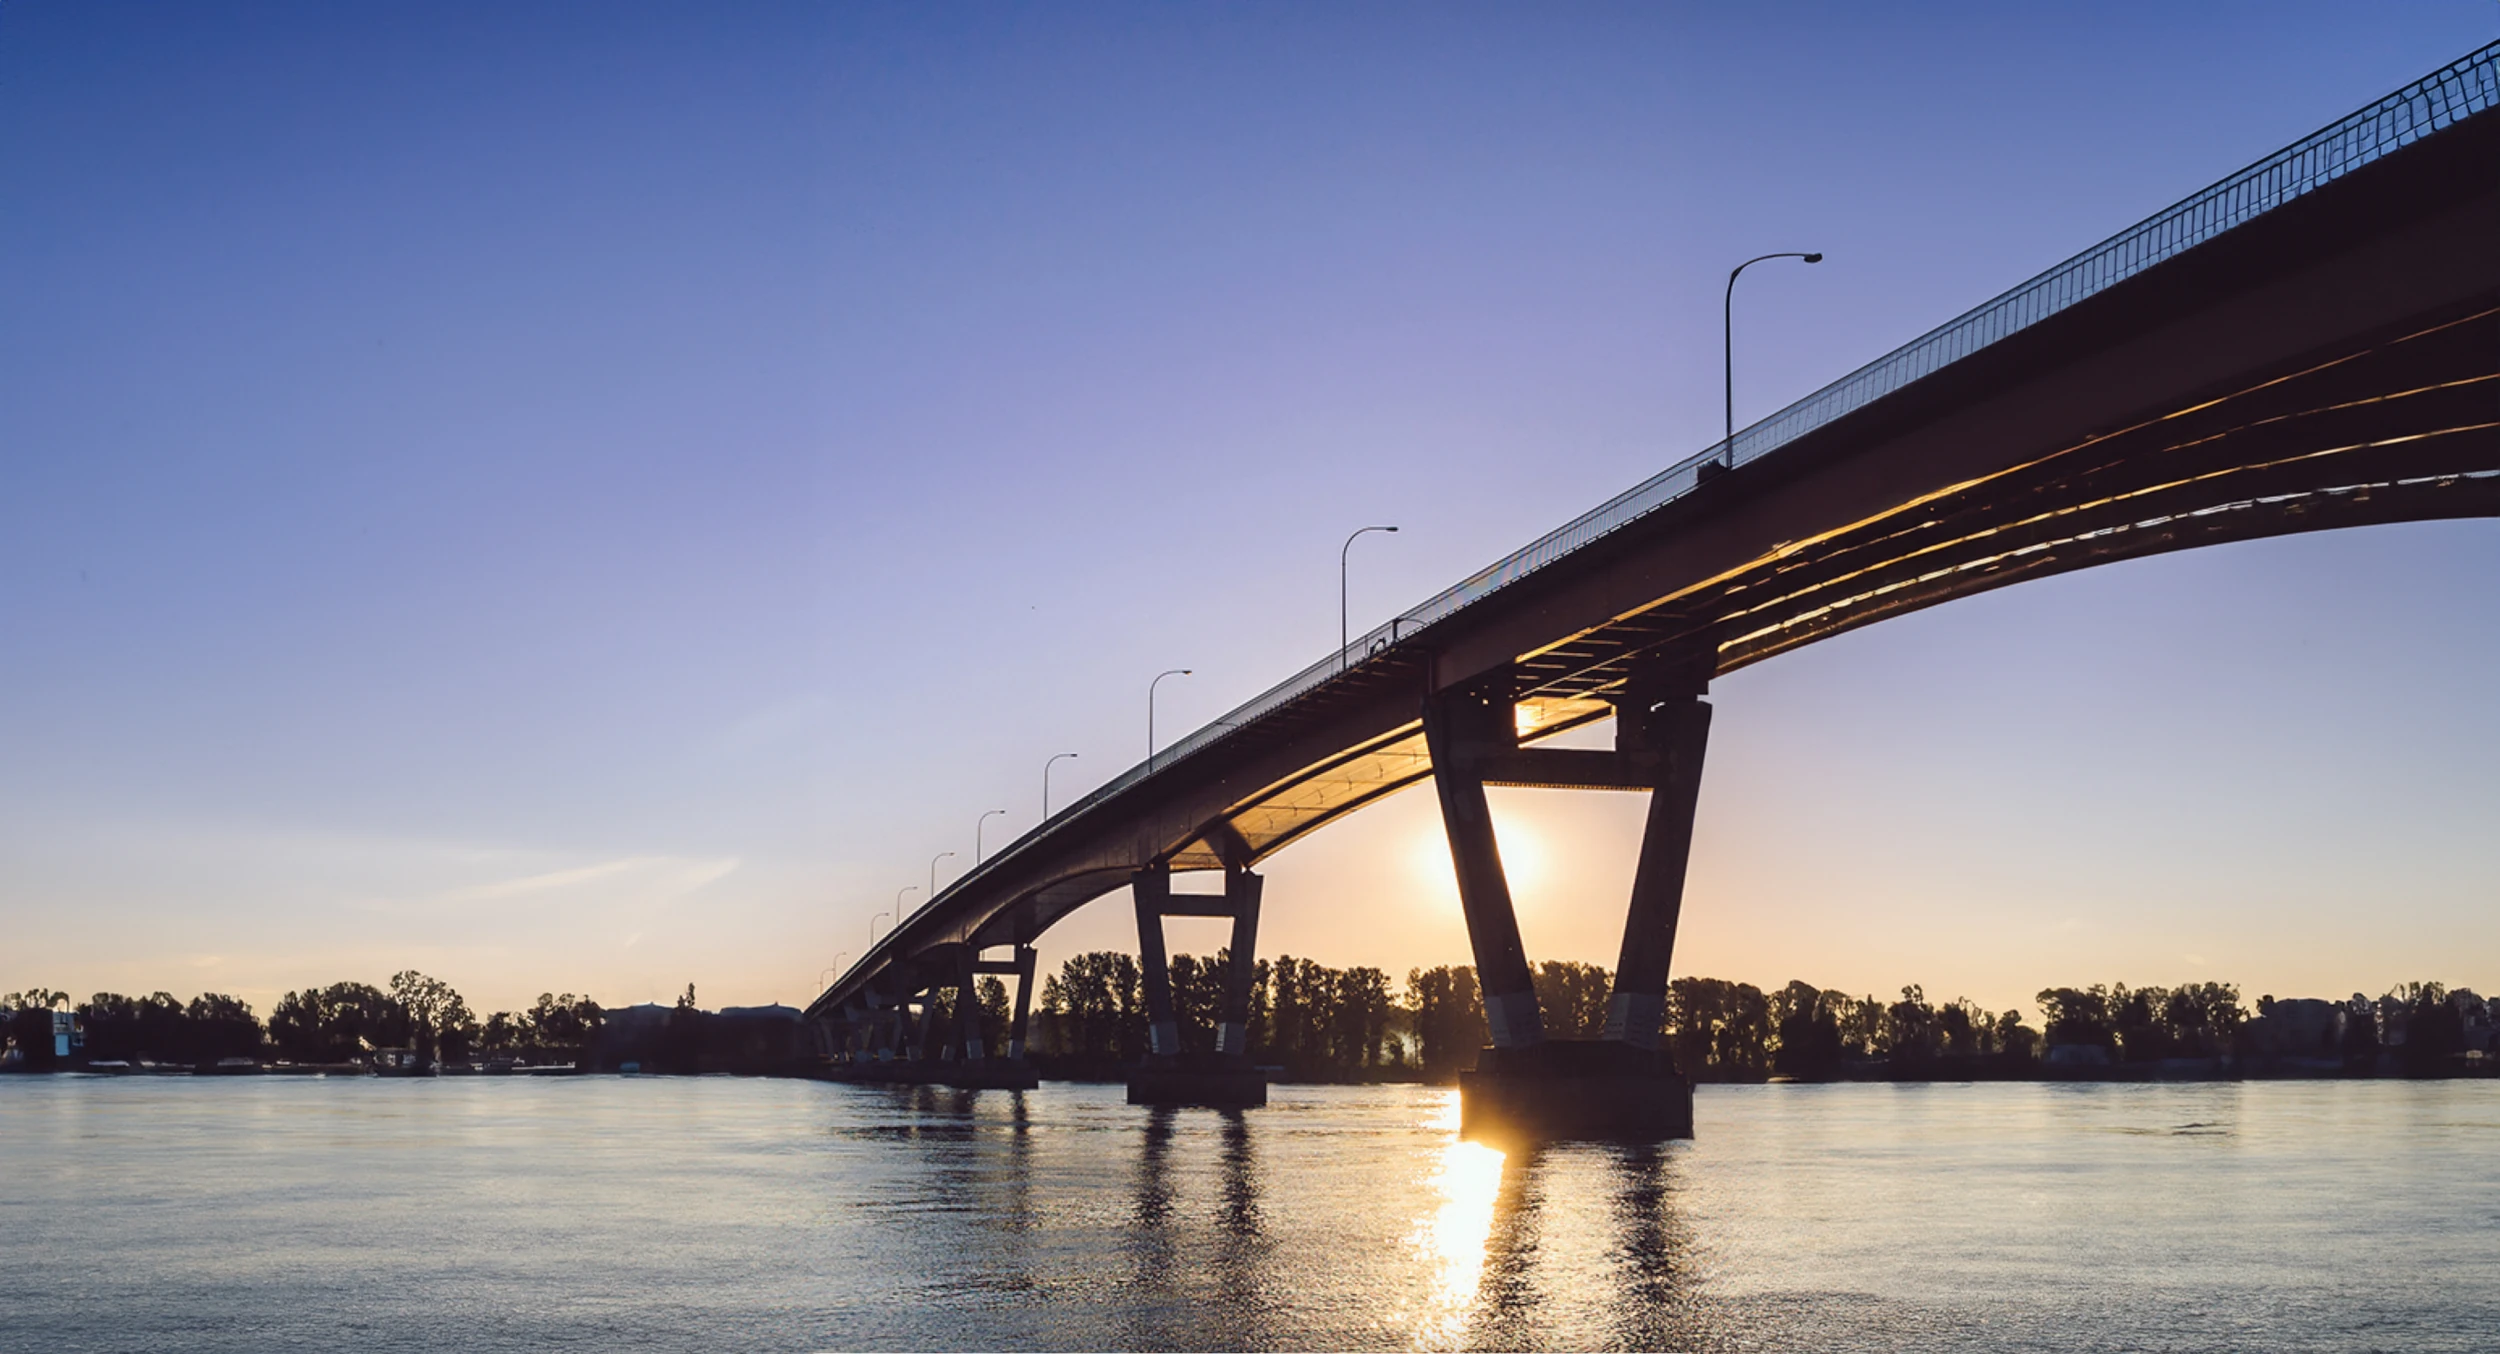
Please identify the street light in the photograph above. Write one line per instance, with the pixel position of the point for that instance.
(1342, 640)
(1727, 346)
(933, 864)
(983, 822)
(872, 921)
(1055, 757)
(1150, 712)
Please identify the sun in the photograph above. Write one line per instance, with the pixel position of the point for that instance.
(1525, 859)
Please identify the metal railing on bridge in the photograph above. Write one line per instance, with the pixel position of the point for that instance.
(2468, 86)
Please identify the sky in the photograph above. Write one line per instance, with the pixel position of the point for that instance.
(596, 498)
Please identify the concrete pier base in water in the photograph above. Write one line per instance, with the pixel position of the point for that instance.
(987, 1074)
(1563, 1089)
(1221, 1083)
(993, 1074)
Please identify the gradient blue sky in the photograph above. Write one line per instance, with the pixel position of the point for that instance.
(594, 497)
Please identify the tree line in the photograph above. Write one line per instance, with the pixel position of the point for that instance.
(1319, 1024)
(2417, 1025)
(1322, 1023)
(336, 1024)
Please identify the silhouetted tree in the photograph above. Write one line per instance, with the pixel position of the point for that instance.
(336, 1023)
(2204, 1019)
(2078, 1016)
(221, 1027)
(1571, 996)
(1302, 993)
(1910, 1030)
(2434, 1029)
(561, 1024)
(1718, 1030)
(439, 1021)
(1197, 1000)
(996, 1014)
(2138, 1016)
(2015, 1039)
(1808, 1023)
(1448, 1014)
(1359, 1019)
(1092, 1008)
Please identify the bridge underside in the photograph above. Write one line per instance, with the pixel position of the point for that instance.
(2402, 428)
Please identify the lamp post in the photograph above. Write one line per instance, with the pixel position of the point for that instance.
(1150, 712)
(1055, 757)
(1727, 347)
(1342, 639)
(872, 921)
(933, 864)
(983, 822)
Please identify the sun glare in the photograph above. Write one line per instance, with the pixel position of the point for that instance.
(1524, 859)
(1468, 1183)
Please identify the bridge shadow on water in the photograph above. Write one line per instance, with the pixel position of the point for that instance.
(1093, 1224)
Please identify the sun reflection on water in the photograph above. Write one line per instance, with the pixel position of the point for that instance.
(1466, 1180)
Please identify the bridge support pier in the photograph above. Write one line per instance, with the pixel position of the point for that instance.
(1169, 1075)
(974, 1069)
(892, 1027)
(929, 1026)
(878, 1042)
(1024, 1003)
(1623, 1084)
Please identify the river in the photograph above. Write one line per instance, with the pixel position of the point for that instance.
(609, 1213)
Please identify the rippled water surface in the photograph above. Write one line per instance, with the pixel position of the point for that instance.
(717, 1214)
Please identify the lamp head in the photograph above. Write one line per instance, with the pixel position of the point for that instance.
(1814, 258)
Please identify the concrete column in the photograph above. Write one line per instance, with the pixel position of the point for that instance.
(1024, 1002)
(931, 1037)
(1678, 729)
(1458, 728)
(891, 1032)
(968, 1035)
(1241, 891)
(1153, 890)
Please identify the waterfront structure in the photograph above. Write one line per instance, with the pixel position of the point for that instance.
(2311, 343)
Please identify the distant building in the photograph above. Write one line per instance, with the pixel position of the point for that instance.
(756, 1039)
(2297, 1027)
(649, 1017)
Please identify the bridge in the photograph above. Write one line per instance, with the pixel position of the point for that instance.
(2311, 343)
